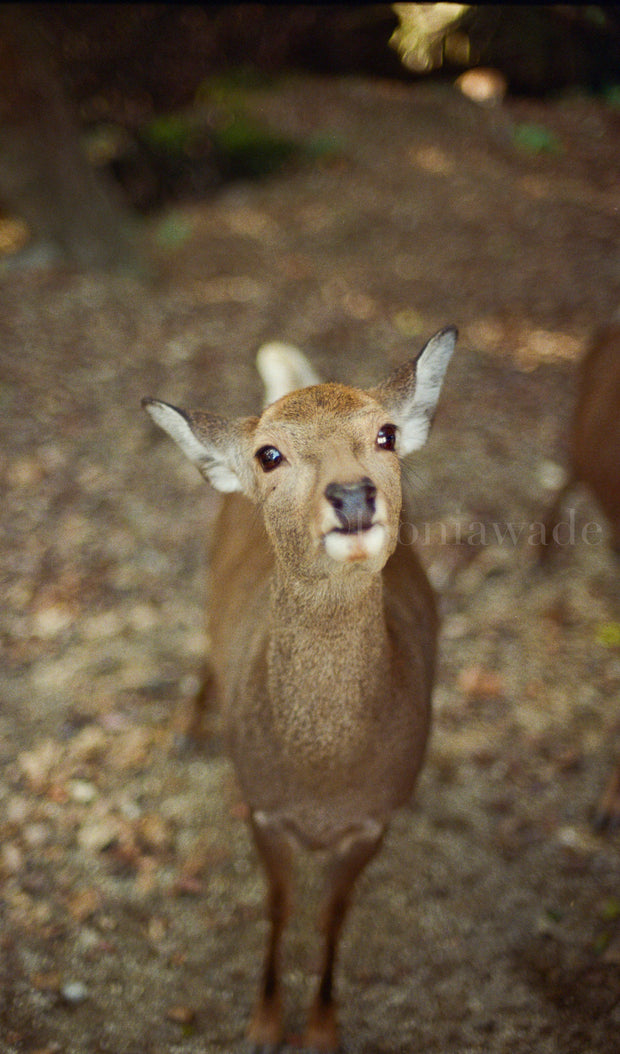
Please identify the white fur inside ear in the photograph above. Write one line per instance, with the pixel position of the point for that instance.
(220, 476)
(206, 457)
(178, 428)
(283, 369)
(431, 366)
(413, 432)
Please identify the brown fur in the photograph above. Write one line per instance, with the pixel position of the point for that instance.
(277, 654)
(323, 635)
(595, 433)
(596, 430)
(595, 461)
(323, 681)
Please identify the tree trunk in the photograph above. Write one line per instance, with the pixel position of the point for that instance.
(44, 176)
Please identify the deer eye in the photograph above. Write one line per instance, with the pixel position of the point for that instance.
(386, 437)
(268, 457)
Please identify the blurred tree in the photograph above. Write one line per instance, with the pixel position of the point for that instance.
(44, 176)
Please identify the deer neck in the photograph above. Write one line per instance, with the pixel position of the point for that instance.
(350, 604)
(327, 662)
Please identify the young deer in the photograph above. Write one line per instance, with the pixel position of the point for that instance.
(323, 627)
(595, 461)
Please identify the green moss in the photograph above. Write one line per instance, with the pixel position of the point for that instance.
(535, 139)
(249, 149)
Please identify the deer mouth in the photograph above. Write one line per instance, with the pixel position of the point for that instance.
(354, 528)
(351, 545)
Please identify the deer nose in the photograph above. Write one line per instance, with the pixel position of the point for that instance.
(353, 503)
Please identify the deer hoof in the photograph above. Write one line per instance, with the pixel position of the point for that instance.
(321, 1036)
(264, 1034)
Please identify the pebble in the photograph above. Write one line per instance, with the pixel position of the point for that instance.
(154, 833)
(25, 472)
(480, 683)
(577, 839)
(37, 764)
(74, 992)
(102, 625)
(181, 1015)
(89, 744)
(48, 622)
(143, 617)
(97, 835)
(551, 475)
(82, 791)
(11, 858)
(455, 627)
(36, 835)
(17, 810)
(484, 86)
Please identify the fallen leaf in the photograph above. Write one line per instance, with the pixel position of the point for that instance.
(478, 682)
(181, 1015)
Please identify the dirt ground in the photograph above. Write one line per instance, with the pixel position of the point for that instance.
(132, 904)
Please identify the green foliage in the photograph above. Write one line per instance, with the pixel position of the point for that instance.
(249, 149)
(612, 96)
(534, 139)
(324, 145)
(608, 634)
(170, 132)
(610, 910)
(230, 88)
(173, 231)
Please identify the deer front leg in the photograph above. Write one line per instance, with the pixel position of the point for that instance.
(351, 857)
(266, 1026)
(189, 719)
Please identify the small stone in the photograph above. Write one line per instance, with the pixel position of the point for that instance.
(74, 992)
(154, 833)
(82, 791)
(98, 835)
(484, 86)
(181, 1015)
(37, 764)
(131, 750)
(455, 627)
(11, 858)
(36, 835)
(83, 904)
(577, 840)
(551, 475)
(157, 929)
(478, 682)
(16, 810)
(46, 982)
(25, 472)
(89, 744)
(48, 622)
(101, 626)
(143, 617)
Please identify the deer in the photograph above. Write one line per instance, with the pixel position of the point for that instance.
(594, 453)
(323, 630)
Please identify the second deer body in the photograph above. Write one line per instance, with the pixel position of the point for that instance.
(595, 432)
(323, 628)
(595, 461)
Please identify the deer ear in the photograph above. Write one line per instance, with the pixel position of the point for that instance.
(283, 369)
(411, 392)
(214, 444)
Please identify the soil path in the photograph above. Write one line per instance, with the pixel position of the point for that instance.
(132, 915)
